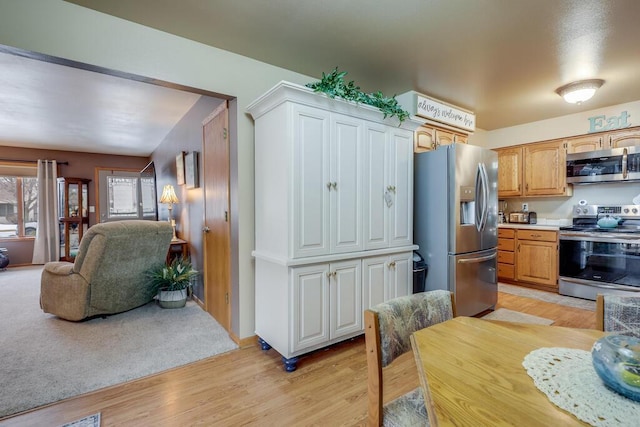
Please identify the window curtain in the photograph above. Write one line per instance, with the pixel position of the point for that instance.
(47, 244)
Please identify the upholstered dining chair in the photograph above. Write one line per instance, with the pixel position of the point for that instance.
(620, 314)
(388, 328)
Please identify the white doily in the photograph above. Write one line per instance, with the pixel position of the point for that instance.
(569, 380)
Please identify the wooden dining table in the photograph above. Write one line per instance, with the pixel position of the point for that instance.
(471, 372)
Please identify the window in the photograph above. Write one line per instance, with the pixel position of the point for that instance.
(18, 200)
(126, 194)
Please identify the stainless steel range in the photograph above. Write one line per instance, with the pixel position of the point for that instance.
(598, 260)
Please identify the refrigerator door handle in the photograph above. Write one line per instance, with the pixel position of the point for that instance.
(485, 195)
(477, 260)
(482, 197)
(478, 198)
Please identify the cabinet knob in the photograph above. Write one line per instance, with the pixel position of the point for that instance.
(392, 264)
(329, 185)
(206, 229)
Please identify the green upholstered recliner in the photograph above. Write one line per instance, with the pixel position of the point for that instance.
(109, 272)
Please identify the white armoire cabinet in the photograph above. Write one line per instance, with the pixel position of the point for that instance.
(333, 203)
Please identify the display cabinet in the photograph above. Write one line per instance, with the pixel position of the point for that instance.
(73, 208)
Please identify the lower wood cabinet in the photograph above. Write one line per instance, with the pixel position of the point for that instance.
(301, 308)
(506, 256)
(528, 256)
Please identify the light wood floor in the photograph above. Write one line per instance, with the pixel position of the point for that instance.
(249, 387)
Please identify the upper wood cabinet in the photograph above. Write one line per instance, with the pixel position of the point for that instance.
(545, 172)
(603, 141)
(537, 169)
(428, 138)
(510, 172)
(584, 143)
(625, 138)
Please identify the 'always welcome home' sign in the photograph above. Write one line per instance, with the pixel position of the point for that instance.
(429, 108)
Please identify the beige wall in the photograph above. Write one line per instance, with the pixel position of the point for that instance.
(81, 165)
(559, 127)
(570, 125)
(68, 31)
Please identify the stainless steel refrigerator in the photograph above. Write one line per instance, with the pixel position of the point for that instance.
(456, 223)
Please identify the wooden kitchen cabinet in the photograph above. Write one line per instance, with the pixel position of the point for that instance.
(604, 140)
(545, 172)
(537, 169)
(584, 143)
(506, 254)
(536, 257)
(510, 172)
(427, 138)
(624, 138)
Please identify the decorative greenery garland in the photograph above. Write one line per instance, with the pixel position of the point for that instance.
(333, 85)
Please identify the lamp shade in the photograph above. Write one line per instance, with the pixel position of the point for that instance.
(578, 92)
(169, 195)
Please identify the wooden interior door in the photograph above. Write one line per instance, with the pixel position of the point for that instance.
(217, 226)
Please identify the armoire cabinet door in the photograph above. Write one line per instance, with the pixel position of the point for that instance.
(345, 301)
(310, 306)
(376, 212)
(374, 281)
(311, 181)
(345, 187)
(400, 275)
(400, 188)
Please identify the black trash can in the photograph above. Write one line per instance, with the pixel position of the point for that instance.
(420, 270)
(4, 258)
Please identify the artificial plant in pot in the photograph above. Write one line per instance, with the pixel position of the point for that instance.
(172, 281)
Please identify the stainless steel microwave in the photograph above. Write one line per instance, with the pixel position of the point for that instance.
(616, 164)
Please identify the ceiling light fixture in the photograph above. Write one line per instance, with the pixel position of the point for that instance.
(580, 91)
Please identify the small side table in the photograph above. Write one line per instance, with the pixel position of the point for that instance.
(177, 248)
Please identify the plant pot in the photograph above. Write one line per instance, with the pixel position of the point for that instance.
(172, 299)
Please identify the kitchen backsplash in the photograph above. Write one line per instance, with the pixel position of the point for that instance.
(561, 207)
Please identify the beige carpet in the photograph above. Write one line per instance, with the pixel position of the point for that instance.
(515, 316)
(46, 359)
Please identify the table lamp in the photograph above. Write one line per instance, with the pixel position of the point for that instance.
(169, 197)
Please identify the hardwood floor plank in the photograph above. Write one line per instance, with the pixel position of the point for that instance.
(249, 386)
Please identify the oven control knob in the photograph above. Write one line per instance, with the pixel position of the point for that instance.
(626, 210)
(634, 210)
(578, 211)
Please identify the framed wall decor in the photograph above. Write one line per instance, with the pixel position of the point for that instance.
(191, 169)
(180, 168)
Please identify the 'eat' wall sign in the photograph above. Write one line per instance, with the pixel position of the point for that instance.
(602, 122)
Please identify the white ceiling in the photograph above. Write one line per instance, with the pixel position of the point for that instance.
(49, 106)
(502, 59)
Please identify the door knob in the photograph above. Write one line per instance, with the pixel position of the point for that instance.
(205, 229)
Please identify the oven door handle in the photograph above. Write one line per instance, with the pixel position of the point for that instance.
(598, 284)
(596, 237)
